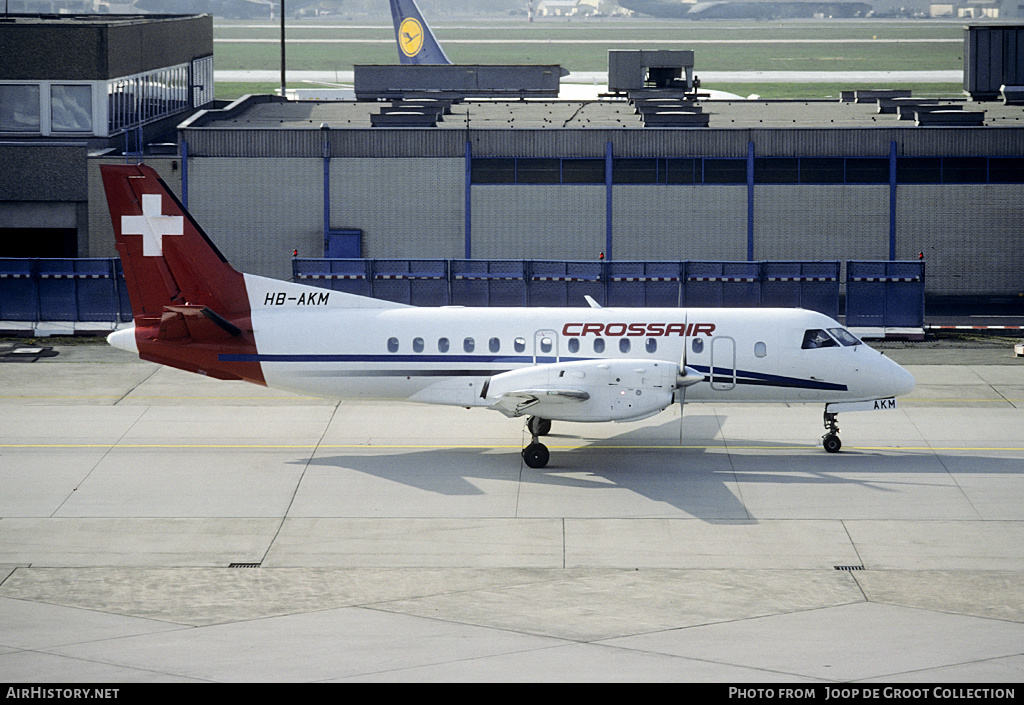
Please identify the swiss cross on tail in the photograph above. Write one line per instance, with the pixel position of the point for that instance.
(152, 225)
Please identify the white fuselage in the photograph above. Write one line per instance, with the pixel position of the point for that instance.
(327, 344)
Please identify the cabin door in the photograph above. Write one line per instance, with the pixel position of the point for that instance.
(545, 346)
(723, 363)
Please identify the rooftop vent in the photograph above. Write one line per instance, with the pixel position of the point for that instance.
(943, 118)
(636, 69)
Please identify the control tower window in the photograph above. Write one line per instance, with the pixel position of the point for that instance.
(70, 108)
(19, 108)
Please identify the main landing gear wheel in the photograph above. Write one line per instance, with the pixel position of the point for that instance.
(536, 455)
(538, 426)
(830, 441)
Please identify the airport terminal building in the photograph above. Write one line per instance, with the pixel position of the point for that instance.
(579, 180)
(75, 86)
(634, 175)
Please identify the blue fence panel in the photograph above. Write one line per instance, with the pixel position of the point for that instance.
(18, 290)
(124, 304)
(722, 284)
(417, 281)
(643, 284)
(57, 290)
(96, 290)
(664, 285)
(810, 285)
(905, 295)
(313, 272)
(565, 283)
(878, 294)
(348, 275)
(488, 282)
(885, 294)
(625, 284)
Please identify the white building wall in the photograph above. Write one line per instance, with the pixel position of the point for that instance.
(560, 221)
(406, 208)
(660, 222)
(819, 222)
(257, 211)
(971, 236)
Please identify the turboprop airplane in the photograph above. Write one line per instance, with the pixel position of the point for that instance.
(193, 311)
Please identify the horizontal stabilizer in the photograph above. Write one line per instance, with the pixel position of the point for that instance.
(199, 323)
(206, 312)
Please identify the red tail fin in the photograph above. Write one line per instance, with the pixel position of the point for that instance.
(190, 306)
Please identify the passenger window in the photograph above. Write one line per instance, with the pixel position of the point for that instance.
(624, 345)
(546, 344)
(494, 345)
(574, 345)
(599, 345)
(697, 345)
(468, 344)
(443, 345)
(652, 345)
(844, 336)
(519, 344)
(417, 345)
(760, 349)
(817, 338)
(392, 345)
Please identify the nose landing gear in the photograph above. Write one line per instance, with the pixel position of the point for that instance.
(830, 441)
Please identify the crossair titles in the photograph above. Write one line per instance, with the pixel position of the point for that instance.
(650, 330)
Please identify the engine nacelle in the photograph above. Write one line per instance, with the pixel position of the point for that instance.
(586, 390)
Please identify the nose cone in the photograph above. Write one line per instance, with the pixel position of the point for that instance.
(902, 381)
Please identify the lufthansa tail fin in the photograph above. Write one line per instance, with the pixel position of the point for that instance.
(191, 308)
(416, 41)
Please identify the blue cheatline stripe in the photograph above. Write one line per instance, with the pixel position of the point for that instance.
(760, 379)
(745, 377)
(488, 359)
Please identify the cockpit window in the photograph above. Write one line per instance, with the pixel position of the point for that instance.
(817, 338)
(844, 336)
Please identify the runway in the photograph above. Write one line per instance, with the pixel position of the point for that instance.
(157, 526)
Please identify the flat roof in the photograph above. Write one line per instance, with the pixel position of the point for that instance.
(604, 113)
(99, 46)
(98, 19)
